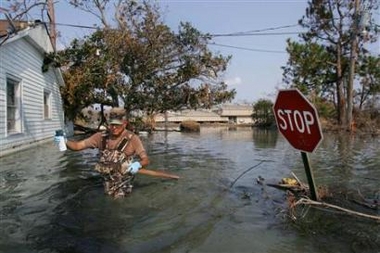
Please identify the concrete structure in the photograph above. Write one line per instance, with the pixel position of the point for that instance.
(30, 100)
(233, 114)
(237, 114)
(200, 116)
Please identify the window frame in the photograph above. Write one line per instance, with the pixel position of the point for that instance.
(47, 104)
(13, 110)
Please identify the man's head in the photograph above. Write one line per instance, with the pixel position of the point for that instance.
(117, 116)
(117, 121)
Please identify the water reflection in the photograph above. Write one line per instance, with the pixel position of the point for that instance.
(264, 138)
(54, 202)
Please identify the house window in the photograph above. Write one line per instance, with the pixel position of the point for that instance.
(232, 119)
(13, 106)
(47, 105)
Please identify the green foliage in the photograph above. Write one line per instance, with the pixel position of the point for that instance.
(326, 109)
(88, 79)
(319, 64)
(143, 65)
(369, 72)
(263, 113)
(310, 68)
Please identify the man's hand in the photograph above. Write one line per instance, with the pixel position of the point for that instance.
(134, 168)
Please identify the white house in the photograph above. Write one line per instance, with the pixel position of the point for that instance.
(201, 116)
(237, 114)
(30, 101)
(233, 114)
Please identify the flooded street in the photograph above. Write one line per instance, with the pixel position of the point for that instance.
(53, 201)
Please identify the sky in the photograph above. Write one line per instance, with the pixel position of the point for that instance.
(255, 68)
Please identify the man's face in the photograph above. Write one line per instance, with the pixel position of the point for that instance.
(116, 129)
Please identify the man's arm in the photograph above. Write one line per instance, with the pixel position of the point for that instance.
(90, 142)
(140, 151)
(144, 159)
(76, 145)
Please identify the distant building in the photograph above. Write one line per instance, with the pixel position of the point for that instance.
(237, 114)
(30, 100)
(200, 116)
(232, 114)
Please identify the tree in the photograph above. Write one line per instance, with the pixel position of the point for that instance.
(142, 64)
(89, 76)
(333, 25)
(263, 113)
(369, 72)
(310, 68)
(19, 10)
(136, 60)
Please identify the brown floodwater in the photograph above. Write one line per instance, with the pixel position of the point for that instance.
(53, 201)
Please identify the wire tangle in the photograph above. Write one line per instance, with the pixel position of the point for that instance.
(246, 171)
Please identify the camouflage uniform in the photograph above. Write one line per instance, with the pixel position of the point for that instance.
(112, 165)
(116, 153)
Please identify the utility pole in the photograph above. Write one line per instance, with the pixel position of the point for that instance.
(353, 58)
(51, 16)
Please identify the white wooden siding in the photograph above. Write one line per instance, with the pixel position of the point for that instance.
(22, 59)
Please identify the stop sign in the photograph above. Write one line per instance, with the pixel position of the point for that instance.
(297, 120)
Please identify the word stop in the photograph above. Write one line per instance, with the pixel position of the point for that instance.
(295, 120)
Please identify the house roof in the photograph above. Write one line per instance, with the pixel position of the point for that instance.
(5, 26)
(198, 115)
(35, 33)
(236, 110)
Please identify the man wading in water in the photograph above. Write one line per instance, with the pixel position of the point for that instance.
(118, 147)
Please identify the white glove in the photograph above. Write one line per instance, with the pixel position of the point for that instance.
(133, 168)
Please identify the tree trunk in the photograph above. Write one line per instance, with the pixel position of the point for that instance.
(351, 77)
(103, 120)
(341, 103)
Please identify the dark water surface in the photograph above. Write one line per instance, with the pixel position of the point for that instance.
(53, 201)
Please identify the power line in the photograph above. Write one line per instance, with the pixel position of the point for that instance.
(248, 49)
(258, 30)
(237, 34)
(78, 26)
(253, 34)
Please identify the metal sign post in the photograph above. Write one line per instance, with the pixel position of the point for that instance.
(310, 177)
(297, 120)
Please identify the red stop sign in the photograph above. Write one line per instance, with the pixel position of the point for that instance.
(297, 120)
